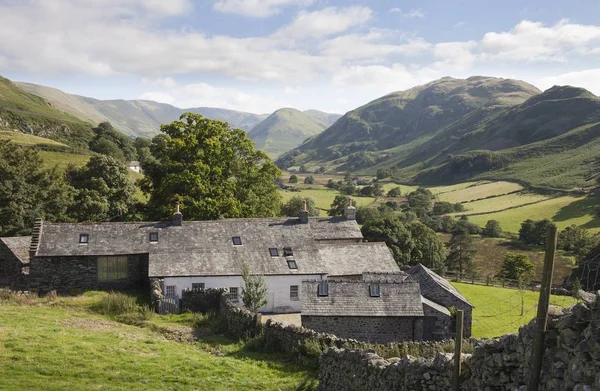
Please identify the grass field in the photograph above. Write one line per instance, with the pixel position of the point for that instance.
(502, 202)
(498, 310)
(323, 197)
(63, 159)
(477, 192)
(59, 344)
(26, 139)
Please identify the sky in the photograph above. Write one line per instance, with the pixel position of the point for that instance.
(261, 55)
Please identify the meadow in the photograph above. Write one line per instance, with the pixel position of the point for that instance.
(60, 343)
(498, 310)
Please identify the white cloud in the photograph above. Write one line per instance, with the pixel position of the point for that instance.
(414, 13)
(157, 97)
(395, 77)
(533, 41)
(454, 55)
(257, 8)
(165, 82)
(326, 22)
(588, 79)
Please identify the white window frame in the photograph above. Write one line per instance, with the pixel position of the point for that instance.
(170, 291)
(234, 297)
(294, 292)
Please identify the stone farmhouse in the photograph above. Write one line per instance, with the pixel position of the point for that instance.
(380, 308)
(204, 254)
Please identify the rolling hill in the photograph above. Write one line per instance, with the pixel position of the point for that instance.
(452, 130)
(287, 128)
(134, 117)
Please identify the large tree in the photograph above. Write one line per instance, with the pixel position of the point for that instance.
(28, 190)
(517, 266)
(294, 205)
(394, 233)
(254, 294)
(427, 247)
(104, 190)
(212, 169)
(462, 251)
(338, 205)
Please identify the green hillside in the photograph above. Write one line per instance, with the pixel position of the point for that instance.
(28, 113)
(325, 119)
(284, 130)
(134, 117)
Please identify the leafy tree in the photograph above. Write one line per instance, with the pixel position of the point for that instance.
(427, 247)
(394, 233)
(517, 267)
(294, 205)
(366, 191)
(420, 199)
(339, 204)
(254, 293)
(377, 190)
(302, 169)
(492, 229)
(575, 239)
(447, 224)
(29, 191)
(442, 208)
(465, 225)
(462, 251)
(309, 180)
(367, 213)
(534, 232)
(321, 170)
(293, 178)
(383, 173)
(103, 190)
(348, 189)
(394, 192)
(108, 141)
(212, 169)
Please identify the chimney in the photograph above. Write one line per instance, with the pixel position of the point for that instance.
(350, 211)
(35, 237)
(304, 213)
(177, 216)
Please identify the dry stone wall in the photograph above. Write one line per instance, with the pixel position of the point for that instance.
(571, 361)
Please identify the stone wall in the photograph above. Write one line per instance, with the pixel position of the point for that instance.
(65, 274)
(377, 329)
(240, 323)
(10, 265)
(441, 296)
(571, 361)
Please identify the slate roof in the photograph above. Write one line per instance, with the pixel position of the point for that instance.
(352, 259)
(435, 306)
(430, 280)
(18, 245)
(351, 298)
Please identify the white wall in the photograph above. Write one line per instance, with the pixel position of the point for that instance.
(278, 294)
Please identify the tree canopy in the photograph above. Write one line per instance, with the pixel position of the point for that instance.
(517, 267)
(340, 202)
(293, 206)
(212, 169)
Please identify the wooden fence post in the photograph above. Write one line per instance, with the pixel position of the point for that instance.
(458, 339)
(541, 319)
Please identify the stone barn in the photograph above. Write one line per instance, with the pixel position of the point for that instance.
(14, 258)
(372, 311)
(438, 290)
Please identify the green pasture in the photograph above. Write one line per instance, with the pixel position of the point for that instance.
(477, 192)
(502, 202)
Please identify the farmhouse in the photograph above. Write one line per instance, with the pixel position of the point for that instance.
(134, 166)
(205, 254)
(381, 308)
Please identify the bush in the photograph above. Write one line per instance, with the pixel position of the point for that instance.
(492, 229)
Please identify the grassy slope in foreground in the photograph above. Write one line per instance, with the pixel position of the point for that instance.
(498, 310)
(60, 345)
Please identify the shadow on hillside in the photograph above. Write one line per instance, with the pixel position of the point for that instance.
(582, 207)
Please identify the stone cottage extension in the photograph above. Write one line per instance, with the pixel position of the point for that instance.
(14, 257)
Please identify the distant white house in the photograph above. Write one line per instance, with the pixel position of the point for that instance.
(135, 166)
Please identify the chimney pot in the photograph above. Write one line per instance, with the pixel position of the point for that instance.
(177, 216)
(304, 213)
(350, 211)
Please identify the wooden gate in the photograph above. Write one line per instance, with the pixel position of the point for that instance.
(169, 305)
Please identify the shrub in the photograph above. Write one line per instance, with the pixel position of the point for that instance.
(492, 229)
(116, 303)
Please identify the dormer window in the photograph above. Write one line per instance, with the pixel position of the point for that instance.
(84, 238)
(237, 241)
(274, 252)
(287, 252)
(374, 290)
(153, 236)
(292, 264)
(323, 289)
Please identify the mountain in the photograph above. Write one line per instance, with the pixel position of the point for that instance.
(453, 129)
(287, 128)
(28, 113)
(326, 119)
(134, 117)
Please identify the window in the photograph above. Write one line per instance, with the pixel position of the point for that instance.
(237, 241)
(323, 289)
(154, 236)
(112, 268)
(287, 252)
(233, 294)
(374, 290)
(292, 264)
(170, 290)
(197, 285)
(294, 292)
(274, 252)
(84, 238)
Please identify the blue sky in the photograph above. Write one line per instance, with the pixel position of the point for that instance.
(260, 55)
